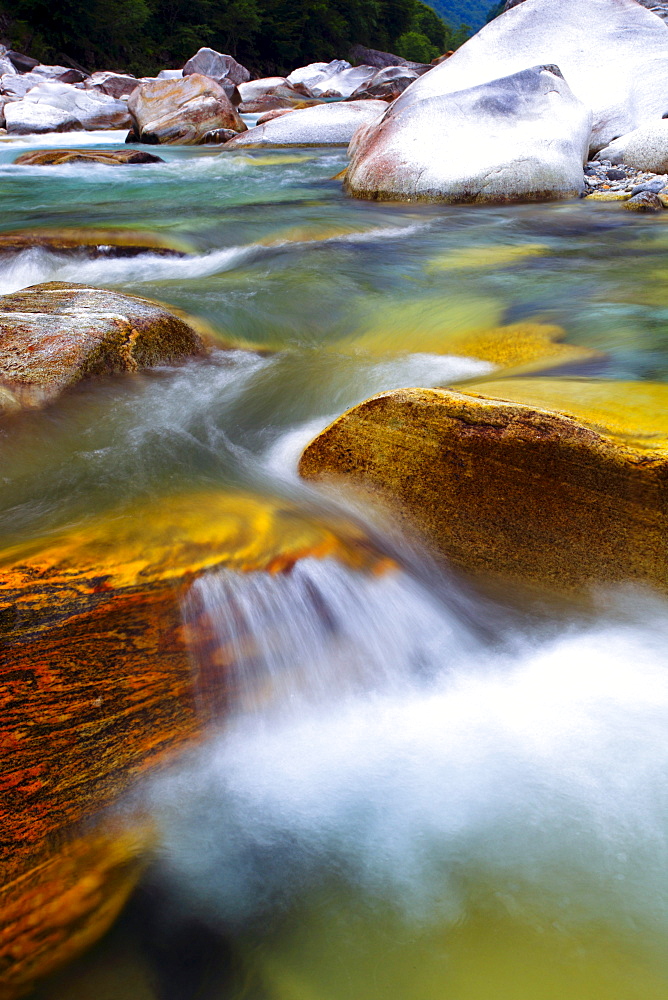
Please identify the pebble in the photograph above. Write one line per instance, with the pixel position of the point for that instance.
(622, 183)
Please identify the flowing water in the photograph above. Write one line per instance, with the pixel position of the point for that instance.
(421, 791)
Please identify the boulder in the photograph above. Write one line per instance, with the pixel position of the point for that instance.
(170, 74)
(325, 125)
(29, 118)
(274, 113)
(55, 334)
(521, 138)
(216, 65)
(612, 53)
(18, 85)
(316, 72)
(92, 108)
(101, 685)
(7, 67)
(181, 111)
(50, 72)
(386, 85)
(272, 86)
(545, 482)
(21, 62)
(120, 242)
(114, 84)
(381, 60)
(645, 148)
(343, 84)
(103, 157)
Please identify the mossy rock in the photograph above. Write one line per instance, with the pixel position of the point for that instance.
(517, 479)
(99, 689)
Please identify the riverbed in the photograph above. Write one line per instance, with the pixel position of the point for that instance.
(426, 790)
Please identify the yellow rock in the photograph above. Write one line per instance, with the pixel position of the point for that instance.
(464, 328)
(514, 489)
(609, 196)
(484, 257)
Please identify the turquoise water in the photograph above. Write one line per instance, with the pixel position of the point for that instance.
(481, 812)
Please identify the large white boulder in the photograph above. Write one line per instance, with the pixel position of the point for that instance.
(345, 83)
(316, 72)
(18, 85)
(92, 108)
(523, 137)
(268, 86)
(323, 125)
(645, 148)
(612, 53)
(28, 118)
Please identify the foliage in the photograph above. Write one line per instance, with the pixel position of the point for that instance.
(269, 36)
(471, 13)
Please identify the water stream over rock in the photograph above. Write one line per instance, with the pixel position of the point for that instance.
(423, 788)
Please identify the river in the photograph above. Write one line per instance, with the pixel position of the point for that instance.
(424, 790)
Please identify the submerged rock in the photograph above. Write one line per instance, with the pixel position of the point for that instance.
(523, 137)
(99, 242)
(55, 334)
(181, 111)
(325, 125)
(99, 688)
(545, 482)
(104, 157)
(612, 53)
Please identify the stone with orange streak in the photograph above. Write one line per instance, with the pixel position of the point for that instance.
(98, 689)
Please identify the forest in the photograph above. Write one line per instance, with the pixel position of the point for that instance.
(268, 36)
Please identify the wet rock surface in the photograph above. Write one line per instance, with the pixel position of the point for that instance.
(107, 158)
(55, 334)
(558, 493)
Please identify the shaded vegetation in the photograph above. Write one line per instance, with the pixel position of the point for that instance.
(472, 13)
(268, 36)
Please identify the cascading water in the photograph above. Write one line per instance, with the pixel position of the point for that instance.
(417, 793)
(401, 807)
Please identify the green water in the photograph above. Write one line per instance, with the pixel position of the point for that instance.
(333, 300)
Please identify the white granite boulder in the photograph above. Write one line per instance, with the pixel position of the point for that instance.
(612, 53)
(523, 137)
(181, 112)
(92, 108)
(28, 118)
(343, 84)
(315, 73)
(645, 148)
(271, 86)
(323, 125)
(386, 84)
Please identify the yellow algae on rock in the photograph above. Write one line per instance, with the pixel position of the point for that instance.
(512, 490)
(485, 257)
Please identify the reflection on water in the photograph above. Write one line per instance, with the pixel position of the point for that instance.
(422, 794)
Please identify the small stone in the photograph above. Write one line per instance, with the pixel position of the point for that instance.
(653, 186)
(616, 175)
(645, 201)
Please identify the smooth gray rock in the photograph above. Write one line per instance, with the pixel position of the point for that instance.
(523, 137)
(216, 65)
(645, 148)
(324, 125)
(113, 84)
(612, 53)
(387, 84)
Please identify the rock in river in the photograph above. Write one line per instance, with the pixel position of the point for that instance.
(99, 686)
(216, 65)
(55, 334)
(181, 112)
(523, 137)
(613, 55)
(645, 148)
(103, 157)
(555, 483)
(91, 108)
(325, 125)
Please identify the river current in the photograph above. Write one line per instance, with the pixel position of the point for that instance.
(423, 790)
